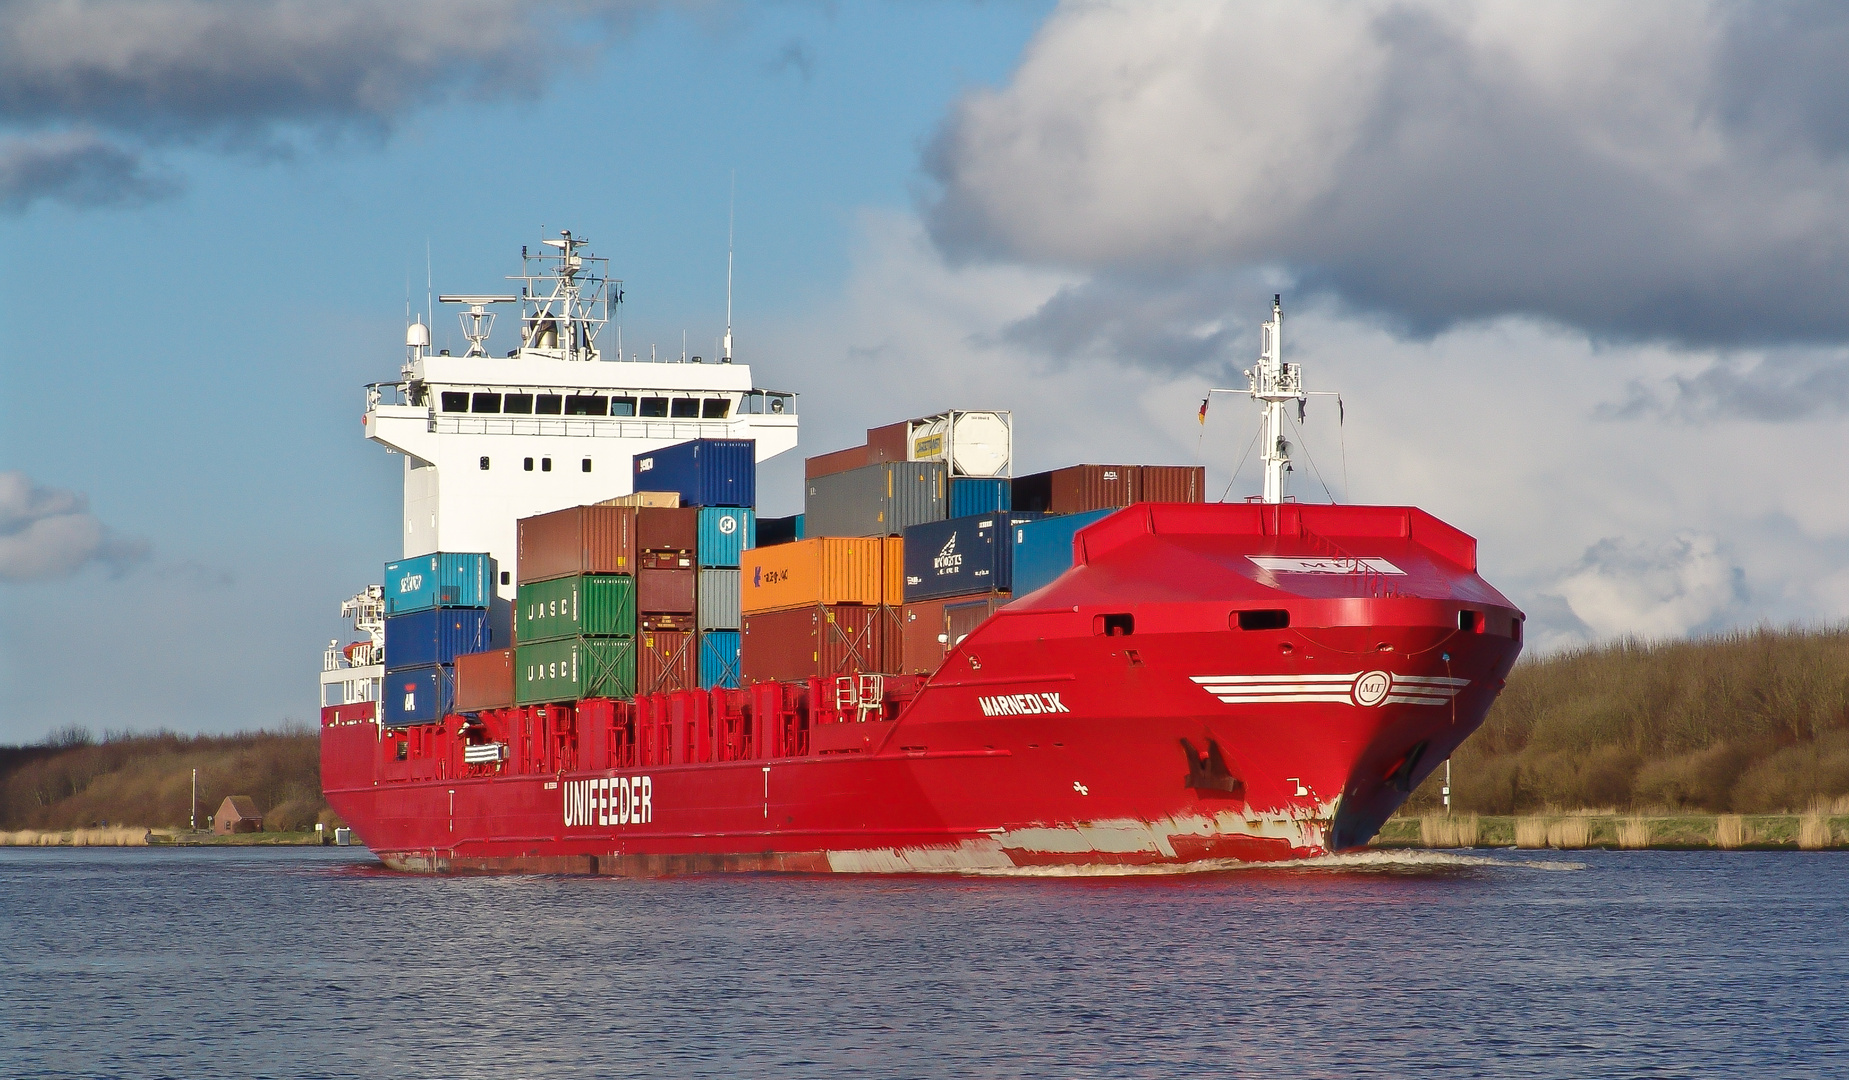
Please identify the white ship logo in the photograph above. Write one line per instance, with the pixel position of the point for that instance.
(1362, 688)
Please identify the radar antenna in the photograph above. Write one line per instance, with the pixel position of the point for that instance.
(478, 321)
(1274, 382)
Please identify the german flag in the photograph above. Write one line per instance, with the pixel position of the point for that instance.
(1203, 416)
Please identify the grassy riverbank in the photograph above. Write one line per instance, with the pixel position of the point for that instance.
(1822, 830)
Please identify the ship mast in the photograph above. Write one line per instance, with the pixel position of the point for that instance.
(1275, 382)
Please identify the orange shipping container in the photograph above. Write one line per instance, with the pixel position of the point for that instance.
(825, 570)
(577, 540)
(892, 589)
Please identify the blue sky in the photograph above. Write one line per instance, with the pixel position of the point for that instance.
(1581, 272)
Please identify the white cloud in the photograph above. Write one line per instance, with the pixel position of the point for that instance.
(1512, 430)
(50, 533)
(1653, 591)
(1646, 168)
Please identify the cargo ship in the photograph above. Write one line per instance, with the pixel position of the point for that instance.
(592, 657)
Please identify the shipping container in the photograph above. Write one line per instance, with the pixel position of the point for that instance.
(416, 695)
(572, 668)
(971, 495)
(892, 442)
(926, 635)
(783, 530)
(441, 579)
(825, 570)
(1078, 489)
(719, 659)
(666, 591)
(960, 557)
(577, 540)
(669, 499)
(977, 443)
(484, 680)
(1043, 549)
(594, 605)
(437, 636)
(823, 640)
(854, 457)
(718, 601)
(666, 661)
(726, 532)
(892, 572)
(662, 529)
(877, 500)
(705, 472)
(1172, 483)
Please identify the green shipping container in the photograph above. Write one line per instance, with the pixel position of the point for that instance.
(592, 605)
(574, 668)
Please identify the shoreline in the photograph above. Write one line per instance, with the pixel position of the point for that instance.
(1572, 830)
(125, 836)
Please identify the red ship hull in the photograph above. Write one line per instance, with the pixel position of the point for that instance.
(1207, 683)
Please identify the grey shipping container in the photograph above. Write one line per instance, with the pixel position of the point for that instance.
(718, 600)
(877, 500)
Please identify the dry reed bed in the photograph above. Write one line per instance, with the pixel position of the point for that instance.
(75, 838)
(1815, 830)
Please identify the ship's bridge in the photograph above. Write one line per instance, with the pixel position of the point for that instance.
(488, 440)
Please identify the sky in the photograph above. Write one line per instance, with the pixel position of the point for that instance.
(1577, 271)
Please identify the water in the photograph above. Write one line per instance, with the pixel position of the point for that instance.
(315, 962)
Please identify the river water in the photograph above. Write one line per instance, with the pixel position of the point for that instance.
(308, 962)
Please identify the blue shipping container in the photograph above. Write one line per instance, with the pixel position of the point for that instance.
(970, 496)
(417, 695)
(1043, 549)
(706, 472)
(725, 533)
(960, 557)
(438, 636)
(719, 659)
(441, 579)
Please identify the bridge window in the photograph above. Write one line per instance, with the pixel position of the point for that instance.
(484, 464)
(487, 403)
(587, 464)
(622, 406)
(517, 403)
(529, 465)
(455, 401)
(587, 405)
(548, 404)
(545, 464)
(654, 406)
(1262, 619)
(715, 408)
(686, 408)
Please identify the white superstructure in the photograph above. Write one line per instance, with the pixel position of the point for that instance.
(556, 422)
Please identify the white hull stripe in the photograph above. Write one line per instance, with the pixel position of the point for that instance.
(1353, 688)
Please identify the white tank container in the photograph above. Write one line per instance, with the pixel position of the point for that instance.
(970, 443)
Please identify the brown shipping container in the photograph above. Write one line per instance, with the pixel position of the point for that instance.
(825, 570)
(666, 661)
(838, 461)
(646, 498)
(824, 640)
(1077, 489)
(890, 443)
(577, 540)
(661, 529)
(485, 680)
(923, 644)
(664, 591)
(1172, 483)
(931, 628)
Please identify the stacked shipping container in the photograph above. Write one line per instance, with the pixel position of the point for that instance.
(716, 480)
(436, 610)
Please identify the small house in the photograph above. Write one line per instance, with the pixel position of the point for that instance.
(238, 813)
